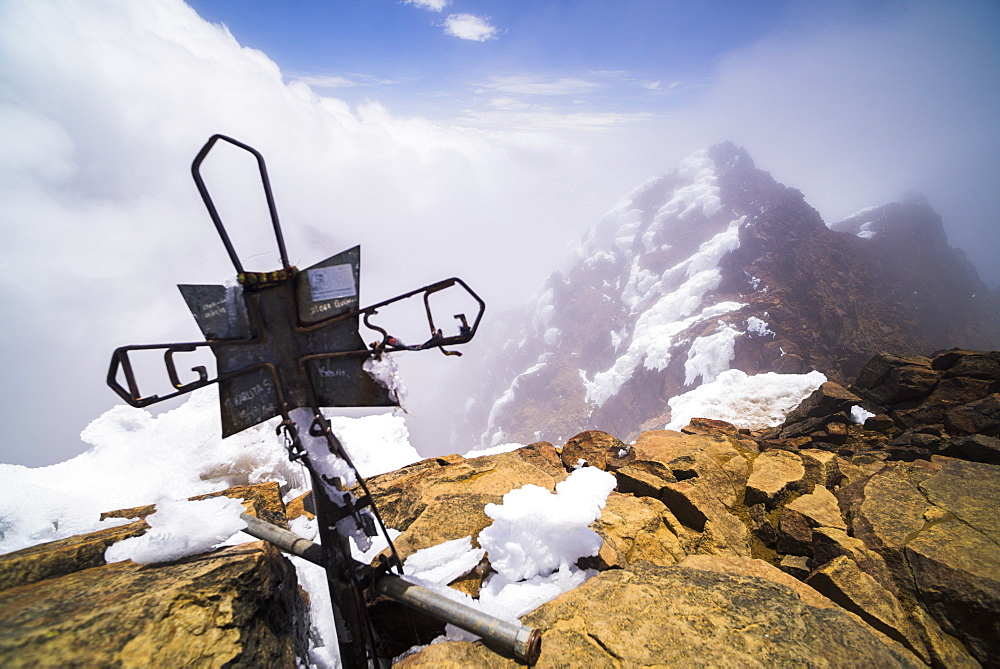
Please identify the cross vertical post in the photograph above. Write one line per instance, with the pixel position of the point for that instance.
(286, 344)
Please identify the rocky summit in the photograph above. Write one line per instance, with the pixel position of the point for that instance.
(716, 266)
(862, 531)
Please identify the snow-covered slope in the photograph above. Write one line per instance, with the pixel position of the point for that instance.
(710, 267)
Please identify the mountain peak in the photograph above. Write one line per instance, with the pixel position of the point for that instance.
(716, 266)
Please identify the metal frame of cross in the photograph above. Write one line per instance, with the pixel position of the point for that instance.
(288, 340)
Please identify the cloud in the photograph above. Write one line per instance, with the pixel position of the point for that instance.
(336, 81)
(856, 114)
(469, 27)
(536, 85)
(103, 106)
(103, 109)
(327, 81)
(429, 5)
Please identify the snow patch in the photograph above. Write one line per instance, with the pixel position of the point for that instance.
(178, 529)
(753, 402)
(758, 327)
(859, 415)
(710, 356)
(136, 458)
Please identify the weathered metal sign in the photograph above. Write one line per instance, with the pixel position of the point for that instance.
(285, 340)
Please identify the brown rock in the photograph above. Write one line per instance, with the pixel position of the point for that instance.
(970, 491)
(880, 423)
(676, 616)
(701, 460)
(237, 606)
(597, 449)
(696, 507)
(819, 508)
(957, 574)
(644, 478)
(710, 426)
(971, 364)
(830, 398)
(775, 474)
(637, 528)
(887, 379)
(822, 467)
(859, 593)
(796, 566)
(56, 558)
(944, 649)
(975, 448)
(935, 525)
(794, 534)
(830, 543)
(742, 566)
(981, 416)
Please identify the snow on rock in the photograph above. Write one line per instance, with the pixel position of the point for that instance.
(492, 450)
(753, 402)
(179, 528)
(536, 532)
(444, 562)
(136, 458)
(710, 356)
(758, 326)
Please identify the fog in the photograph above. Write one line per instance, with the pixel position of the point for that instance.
(104, 105)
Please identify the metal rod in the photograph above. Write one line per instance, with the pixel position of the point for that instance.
(521, 641)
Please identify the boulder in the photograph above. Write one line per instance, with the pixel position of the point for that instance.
(597, 449)
(441, 499)
(934, 522)
(798, 518)
(975, 448)
(674, 616)
(829, 399)
(636, 529)
(888, 379)
(981, 416)
(843, 582)
(775, 475)
(830, 543)
(236, 606)
(822, 467)
(707, 461)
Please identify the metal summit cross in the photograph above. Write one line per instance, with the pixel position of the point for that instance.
(287, 340)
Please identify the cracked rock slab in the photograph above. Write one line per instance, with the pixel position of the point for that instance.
(647, 616)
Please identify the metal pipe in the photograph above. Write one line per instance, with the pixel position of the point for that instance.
(523, 642)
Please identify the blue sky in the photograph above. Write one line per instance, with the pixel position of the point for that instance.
(634, 56)
(440, 155)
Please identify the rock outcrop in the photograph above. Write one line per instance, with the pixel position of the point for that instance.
(894, 546)
(821, 542)
(61, 605)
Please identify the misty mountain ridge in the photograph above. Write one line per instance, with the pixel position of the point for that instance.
(711, 267)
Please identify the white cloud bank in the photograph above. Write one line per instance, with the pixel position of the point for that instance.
(103, 106)
(102, 109)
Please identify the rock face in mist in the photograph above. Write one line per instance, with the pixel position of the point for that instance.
(717, 266)
(820, 542)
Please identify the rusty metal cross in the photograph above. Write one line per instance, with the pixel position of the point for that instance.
(285, 340)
